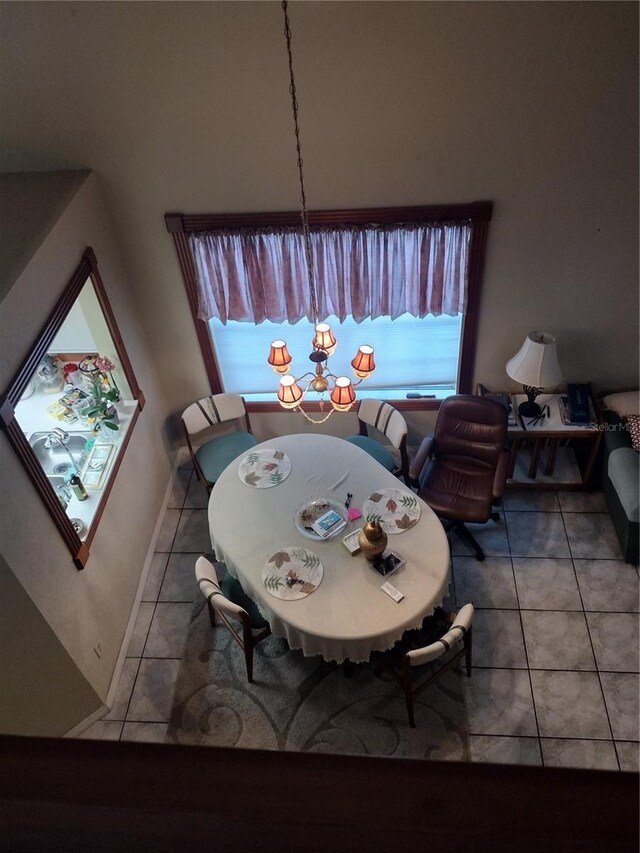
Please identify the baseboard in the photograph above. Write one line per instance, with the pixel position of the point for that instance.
(181, 456)
(98, 714)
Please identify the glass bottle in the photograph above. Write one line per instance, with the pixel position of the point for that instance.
(78, 489)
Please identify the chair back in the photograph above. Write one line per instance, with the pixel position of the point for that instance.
(471, 428)
(383, 417)
(213, 410)
(207, 579)
(461, 625)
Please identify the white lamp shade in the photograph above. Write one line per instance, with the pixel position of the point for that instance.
(536, 363)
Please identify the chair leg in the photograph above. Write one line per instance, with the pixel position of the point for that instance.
(408, 696)
(468, 646)
(248, 656)
(408, 692)
(247, 642)
(469, 539)
(212, 614)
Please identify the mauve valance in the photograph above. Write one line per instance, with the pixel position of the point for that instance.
(361, 271)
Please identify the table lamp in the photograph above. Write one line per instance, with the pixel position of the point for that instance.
(535, 366)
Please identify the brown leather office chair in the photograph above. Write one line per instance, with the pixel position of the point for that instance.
(461, 471)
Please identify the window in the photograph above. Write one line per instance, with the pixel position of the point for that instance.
(71, 407)
(420, 355)
(430, 355)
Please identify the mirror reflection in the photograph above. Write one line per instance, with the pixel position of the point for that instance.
(77, 408)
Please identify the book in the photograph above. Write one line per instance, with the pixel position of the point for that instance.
(328, 524)
(387, 563)
(565, 414)
(351, 543)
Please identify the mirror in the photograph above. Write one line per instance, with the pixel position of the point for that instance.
(71, 407)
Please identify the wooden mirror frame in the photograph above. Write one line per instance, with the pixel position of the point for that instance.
(87, 269)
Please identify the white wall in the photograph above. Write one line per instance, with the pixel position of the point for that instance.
(184, 106)
(87, 611)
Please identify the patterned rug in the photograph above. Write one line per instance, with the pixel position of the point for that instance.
(299, 703)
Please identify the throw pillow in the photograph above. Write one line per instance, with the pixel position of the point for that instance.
(623, 404)
(633, 425)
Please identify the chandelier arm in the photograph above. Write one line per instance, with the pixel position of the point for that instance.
(314, 420)
(303, 197)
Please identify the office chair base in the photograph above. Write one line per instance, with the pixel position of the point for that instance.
(466, 535)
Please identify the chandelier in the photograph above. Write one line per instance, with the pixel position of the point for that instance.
(290, 392)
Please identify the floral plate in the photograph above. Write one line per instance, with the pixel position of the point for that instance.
(311, 511)
(292, 573)
(264, 468)
(396, 510)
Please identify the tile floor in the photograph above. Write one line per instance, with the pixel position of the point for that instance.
(556, 646)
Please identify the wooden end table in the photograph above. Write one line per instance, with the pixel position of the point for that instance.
(543, 441)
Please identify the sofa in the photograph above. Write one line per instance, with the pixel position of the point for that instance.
(621, 467)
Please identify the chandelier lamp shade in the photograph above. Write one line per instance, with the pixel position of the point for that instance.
(535, 366)
(290, 393)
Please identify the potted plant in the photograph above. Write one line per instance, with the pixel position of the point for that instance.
(104, 393)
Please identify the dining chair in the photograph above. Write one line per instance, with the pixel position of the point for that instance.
(212, 457)
(410, 658)
(233, 605)
(381, 417)
(461, 471)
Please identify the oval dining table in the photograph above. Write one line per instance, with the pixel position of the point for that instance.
(348, 616)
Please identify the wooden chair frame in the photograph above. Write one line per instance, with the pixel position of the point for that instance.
(199, 472)
(403, 675)
(403, 470)
(248, 641)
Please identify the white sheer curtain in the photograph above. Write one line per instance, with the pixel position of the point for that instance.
(361, 272)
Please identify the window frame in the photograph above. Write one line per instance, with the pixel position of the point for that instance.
(478, 214)
(86, 270)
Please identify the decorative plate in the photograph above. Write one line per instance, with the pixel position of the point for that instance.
(396, 510)
(292, 573)
(264, 468)
(311, 511)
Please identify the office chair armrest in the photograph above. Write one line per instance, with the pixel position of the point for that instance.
(500, 477)
(418, 462)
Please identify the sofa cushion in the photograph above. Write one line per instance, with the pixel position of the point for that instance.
(624, 473)
(624, 403)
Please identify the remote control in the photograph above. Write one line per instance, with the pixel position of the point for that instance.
(392, 592)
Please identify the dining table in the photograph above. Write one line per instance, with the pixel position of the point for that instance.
(334, 605)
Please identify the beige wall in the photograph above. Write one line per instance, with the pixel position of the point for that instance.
(36, 672)
(88, 611)
(184, 106)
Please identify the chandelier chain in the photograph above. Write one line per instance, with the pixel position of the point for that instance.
(303, 197)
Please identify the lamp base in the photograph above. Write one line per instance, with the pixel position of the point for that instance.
(529, 409)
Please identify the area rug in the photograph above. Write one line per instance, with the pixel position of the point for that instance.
(306, 704)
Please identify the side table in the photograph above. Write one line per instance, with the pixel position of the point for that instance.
(543, 441)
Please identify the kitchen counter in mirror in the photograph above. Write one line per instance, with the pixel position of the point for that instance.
(95, 465)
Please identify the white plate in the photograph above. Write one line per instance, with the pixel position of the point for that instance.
(311, 510)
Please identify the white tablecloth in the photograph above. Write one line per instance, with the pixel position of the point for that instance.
(348, 616)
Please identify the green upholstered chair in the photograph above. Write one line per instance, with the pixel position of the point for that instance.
(212, 457)
(380, 417)
(238, 612)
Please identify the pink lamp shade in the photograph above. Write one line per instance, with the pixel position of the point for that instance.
(343, 394)
(279, 357)
(363, 364)
(324, 338)
(289, 392)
